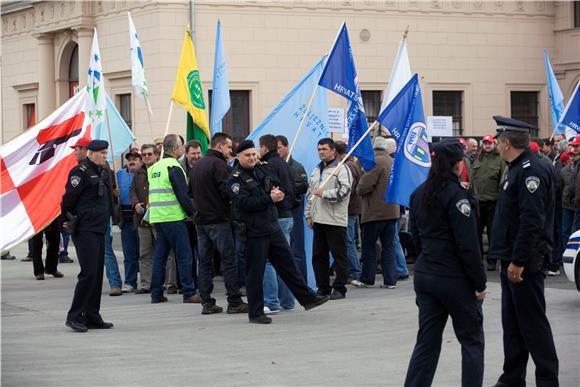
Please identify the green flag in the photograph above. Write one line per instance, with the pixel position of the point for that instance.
(194, 132)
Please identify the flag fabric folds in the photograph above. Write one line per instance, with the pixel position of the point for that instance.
(122, 136)
(187, 90)
(137, 68)
(285, 119)
(220, 96)
(405, 119)
(194, 132)
(571, 115)
(96, 104)
(339, 76)
(34, 168)
(400, 74)
(556, 97)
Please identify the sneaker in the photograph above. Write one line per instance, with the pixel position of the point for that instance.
(211, 309)
(270, 311)
(128, 289)
(553, 273)
(388, 286)
(261, 320)
(360, 284)
(337, 295)
(115, 292)
(65, 259)
(28, 258)
(239, 308)
(8, 257)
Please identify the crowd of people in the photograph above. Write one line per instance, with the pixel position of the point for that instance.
(239, 211)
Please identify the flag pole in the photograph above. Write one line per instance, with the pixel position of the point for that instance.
(345, 157)
(148, 114)
(168, 122)
(302, 123)
(112, 146)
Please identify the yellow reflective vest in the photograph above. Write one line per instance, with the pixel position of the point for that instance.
(163, 204)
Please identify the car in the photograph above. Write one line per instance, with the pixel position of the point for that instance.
(571, 259)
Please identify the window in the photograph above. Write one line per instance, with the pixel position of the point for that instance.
(524, 107)
(29, 111)
(236, 122)
(73, 72)
(125, 109)
(450, 103)
(577, 14)
(372, 104)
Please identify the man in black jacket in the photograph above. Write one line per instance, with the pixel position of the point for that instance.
(300, 188)
(207, 186)
(253, 198)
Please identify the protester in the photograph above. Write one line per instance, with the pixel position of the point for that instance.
(566, 193)
(51, 232)
(192, 154)
(449, 275)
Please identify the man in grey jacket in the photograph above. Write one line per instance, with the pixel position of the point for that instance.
(327, 215)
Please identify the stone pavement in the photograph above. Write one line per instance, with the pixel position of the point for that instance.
(364, 340)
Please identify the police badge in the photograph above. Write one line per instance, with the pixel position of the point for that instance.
(235, 188)
(74, 181)
(464, 207)
(532, 183)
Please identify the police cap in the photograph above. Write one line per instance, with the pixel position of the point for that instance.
(451, 148)
(246, 144)
(509, 124)
(97, 145)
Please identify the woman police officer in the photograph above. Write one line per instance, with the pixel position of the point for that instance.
(449, 275)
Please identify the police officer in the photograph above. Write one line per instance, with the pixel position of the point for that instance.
(449, 275)
(87, 207)
(521, 239)
(254, 195)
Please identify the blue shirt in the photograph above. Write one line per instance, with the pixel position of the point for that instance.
(124, 180)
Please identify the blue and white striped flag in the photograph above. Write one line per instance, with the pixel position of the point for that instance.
(96, 105)
(137, 68)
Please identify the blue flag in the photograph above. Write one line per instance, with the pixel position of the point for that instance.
(122, 135)
(220, 96)
(285, 119)
(556, 97)
(571, 116)
(405, 120)
(339, 76)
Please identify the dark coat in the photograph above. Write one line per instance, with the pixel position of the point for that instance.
(280, 171)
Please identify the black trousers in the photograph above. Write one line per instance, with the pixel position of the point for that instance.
(327, 239)
(90, 248)
(437, 298)
(274, 248)
(485, 220)
(52, 234)
(526, 331)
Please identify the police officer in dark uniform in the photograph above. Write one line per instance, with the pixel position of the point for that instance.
(522, 241)
(254, 195)
(449, 276)
(87, 206)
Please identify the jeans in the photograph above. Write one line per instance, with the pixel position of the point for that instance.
(65, 240)
(172, 236)
(111, 265)
(353, 263)
(297, 241)
(219, 237)
(402, 269)
(130, 242)
(276, 293)
(371, 231)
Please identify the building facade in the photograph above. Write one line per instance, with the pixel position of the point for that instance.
(475, 59)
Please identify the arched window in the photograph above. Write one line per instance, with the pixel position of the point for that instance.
(73, 72)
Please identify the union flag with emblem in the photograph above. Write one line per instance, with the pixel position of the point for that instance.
(34, 168)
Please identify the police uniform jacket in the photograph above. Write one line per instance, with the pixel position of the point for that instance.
(88, 195)
(524, 217)
(445, 235)
(279, 170)
(249, 190)
(300, 182)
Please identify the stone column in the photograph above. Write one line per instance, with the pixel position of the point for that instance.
(85, 42)
(46, 81)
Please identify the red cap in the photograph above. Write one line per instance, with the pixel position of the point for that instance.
(576, 141)
(488, 138)
(534, 147)
(565, 157)
(84, 142)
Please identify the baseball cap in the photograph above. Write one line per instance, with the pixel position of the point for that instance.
(488, 138)
(84, 142)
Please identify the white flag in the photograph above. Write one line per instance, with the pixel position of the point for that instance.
(96, 105)
(137, 69)
(400, 75)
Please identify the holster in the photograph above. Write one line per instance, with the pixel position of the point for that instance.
(71, 223)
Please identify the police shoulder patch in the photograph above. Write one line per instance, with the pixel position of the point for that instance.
(74, 181)
(235, 188)
(532, 183)
(464, 207)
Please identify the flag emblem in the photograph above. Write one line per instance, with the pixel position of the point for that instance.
(195, 91)
(417, 145)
